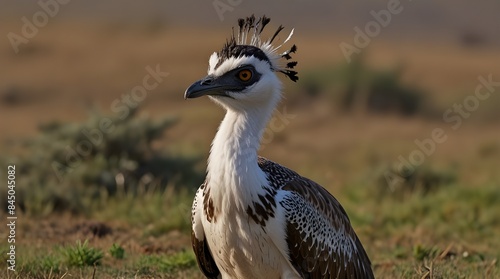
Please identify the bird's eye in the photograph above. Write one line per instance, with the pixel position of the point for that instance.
(245, 75)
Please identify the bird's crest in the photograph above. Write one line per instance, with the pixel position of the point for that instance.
(248, 41)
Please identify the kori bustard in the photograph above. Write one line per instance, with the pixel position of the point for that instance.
(253, 218)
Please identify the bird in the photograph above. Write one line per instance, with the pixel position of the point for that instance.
(252, 217)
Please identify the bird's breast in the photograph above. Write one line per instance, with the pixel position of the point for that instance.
(240, 247)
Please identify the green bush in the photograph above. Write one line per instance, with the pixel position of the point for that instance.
(82, 255)
(117, 251)
(355, 86)
(47, 264)
(422, 180)
(76, 166)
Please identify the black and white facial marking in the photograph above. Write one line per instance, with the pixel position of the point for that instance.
(235, 80)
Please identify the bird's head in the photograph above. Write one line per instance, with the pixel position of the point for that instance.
(243, 74)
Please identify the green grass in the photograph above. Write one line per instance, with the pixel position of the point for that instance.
(450, 232)
(117, 251)
(155, 211)
(145, 266)
(83, 261)
(447, 233)
(82, 255)
(158, 264)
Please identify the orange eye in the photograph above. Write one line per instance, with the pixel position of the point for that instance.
(245, 75)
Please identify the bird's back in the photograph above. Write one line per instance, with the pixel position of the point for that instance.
(321, 242)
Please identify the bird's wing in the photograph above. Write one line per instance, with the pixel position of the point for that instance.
(321, 242)
(200, 245)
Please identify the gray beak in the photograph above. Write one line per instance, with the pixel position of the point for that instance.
(207, 86)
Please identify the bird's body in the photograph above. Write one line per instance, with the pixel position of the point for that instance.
(253, 218)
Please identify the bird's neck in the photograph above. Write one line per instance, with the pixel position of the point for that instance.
(233, 174)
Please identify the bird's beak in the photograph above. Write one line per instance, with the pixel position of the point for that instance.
(207, 86)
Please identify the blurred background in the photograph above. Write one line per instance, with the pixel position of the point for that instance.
(98, 151)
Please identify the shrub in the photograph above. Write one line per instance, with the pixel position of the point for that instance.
(117, 251)
(423, 180)
(82, 255)
(355, 85)
(74, 166)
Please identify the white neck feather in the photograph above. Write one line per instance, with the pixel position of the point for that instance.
(233, 173)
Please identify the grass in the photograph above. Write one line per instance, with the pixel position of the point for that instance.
(150, 265)
(156, 212)
(82, 255)
(116, 251)
(141, 256)
(441, 229)
(447, 233)
(145, 266)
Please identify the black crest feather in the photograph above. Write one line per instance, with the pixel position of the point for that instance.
(265, 21)
(291, 74)
(276, 33)
(241, 46)
(292, 64)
